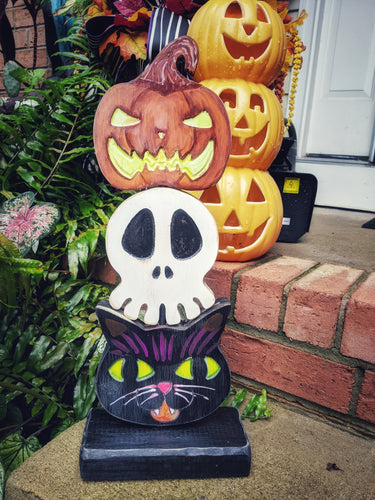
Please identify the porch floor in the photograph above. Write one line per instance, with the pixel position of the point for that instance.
(337, 237)
(294, 456)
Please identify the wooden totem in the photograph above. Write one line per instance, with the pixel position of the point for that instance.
(162, 366)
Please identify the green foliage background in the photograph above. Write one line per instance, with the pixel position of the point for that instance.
(50, 341)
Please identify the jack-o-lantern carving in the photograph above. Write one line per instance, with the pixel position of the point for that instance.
(248, 210)
(256, 121)
(238, 39)
(162, 128)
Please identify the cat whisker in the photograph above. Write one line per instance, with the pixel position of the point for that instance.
(182, 396)
(150, 397)
(186, 386)
(194, 394)
(137, 392)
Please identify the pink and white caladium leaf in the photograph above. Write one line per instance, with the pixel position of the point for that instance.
(24, 224)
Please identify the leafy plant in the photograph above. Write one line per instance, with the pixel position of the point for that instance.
(50, 341)
(253, 408)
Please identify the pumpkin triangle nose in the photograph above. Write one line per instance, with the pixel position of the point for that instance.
(232, 220)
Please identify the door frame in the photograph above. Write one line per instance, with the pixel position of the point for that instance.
(341, 183)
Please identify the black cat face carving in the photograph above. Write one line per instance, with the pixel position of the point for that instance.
(162, 375)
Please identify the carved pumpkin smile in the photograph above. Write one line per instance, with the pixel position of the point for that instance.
(244, 51)
(129, 165)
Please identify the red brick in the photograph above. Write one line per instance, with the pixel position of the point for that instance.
(298, 373)
(260, 291)
(25, 57)
(358, 340)
(314, 302)
(366, 401)
(22, 38)
(22, 17)
(220, 277)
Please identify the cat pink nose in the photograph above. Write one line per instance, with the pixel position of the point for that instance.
(164, 387)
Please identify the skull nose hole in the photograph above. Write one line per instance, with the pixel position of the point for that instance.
(156, 272)
(168, 272)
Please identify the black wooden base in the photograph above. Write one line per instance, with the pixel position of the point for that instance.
(114, 450)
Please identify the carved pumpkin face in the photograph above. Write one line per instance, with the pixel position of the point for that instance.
(241, 38)
(256, 121)
(247, 207)
(161, 128)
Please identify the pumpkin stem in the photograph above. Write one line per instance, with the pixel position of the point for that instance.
(167, 69)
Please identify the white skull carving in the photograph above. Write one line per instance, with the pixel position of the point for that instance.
(162, 242)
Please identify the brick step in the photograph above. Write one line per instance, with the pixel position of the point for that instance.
(304, 330)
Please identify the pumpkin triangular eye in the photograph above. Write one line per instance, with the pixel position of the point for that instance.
(115, 370)
(255, 194)
(234, 10)
(210, 195)
(202, 120)
(145, 371)
(185, 370)
(122, 119)
(213, 367)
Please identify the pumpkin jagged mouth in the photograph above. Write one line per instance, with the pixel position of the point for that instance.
(244, 145)
(244, 51)
(128, 165)
(240, 240)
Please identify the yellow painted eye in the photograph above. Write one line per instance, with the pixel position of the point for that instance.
(203, 120)
(213, 368)
(115, 370)
(185, 370)
(122, 119)
(145, 371)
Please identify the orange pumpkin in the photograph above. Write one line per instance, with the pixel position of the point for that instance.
(256, 121)
(248, 211)
(162, 128)
(238, 39)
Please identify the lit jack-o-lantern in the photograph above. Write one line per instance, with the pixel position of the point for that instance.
(256, 121)
(238, 39)
(248, 210)
(162, 128)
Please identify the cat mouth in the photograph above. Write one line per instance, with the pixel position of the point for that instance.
(165, 413)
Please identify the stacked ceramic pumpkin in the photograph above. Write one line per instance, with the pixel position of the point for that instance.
(242, 46)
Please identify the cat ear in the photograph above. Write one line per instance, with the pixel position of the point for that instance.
(112, 322)
(214, 319)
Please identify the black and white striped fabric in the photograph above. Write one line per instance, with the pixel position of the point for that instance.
(165, 26)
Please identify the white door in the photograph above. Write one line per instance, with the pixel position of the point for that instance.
(336, 102)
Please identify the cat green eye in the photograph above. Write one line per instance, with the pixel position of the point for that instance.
(115, 370)
(213, 368)
(145, 371)
(185, 370)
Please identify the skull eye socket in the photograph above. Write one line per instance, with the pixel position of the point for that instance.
(186, 240)
(139, 236)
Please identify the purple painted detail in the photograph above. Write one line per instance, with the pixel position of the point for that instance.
(163, 347)
(144, 348)
(199, 336)
(130, 342)
(213, 347)
(117, 352)
(206, 341)
(155, 349)
(185, 346)
(170, 347)
(119, 345)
